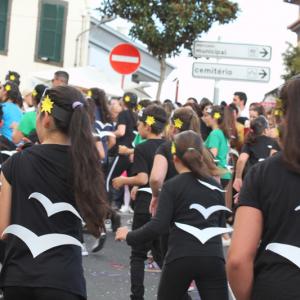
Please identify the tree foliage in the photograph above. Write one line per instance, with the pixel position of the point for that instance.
(168, 26)
(291, 61)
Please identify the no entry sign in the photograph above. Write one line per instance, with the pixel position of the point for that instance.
(125, 59)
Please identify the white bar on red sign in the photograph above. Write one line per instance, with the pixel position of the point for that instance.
(126, 59)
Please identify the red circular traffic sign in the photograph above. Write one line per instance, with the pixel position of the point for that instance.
(125, 59)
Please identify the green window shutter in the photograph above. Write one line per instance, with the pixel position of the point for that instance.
(3, 23)
(52, 18)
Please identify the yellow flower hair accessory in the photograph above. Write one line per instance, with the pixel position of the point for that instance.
(89, 93)
(12, 77)
(127, 99)
(34, 93)
(278, 112)
(139, 107)
(217, 116)
(178, 123)
(8, 88)
(47, 105)
(150, 120)
(173, 148)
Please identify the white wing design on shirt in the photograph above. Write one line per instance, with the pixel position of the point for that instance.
(39, 244)
(103, 125)
(297, 208)
(54, 208)
(146, 190)
(292, 253)
(102, 134)
(210, 186)
(206, 212)
(9, 153)
(205, 234)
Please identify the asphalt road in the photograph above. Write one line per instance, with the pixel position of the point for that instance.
(107, 272)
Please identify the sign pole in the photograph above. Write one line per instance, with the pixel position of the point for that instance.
(122, 81)
(216, 86)
(216, 92)
(177, 90)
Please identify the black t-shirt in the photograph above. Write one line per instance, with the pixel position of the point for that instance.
(179, 201)
(143, 161)
(274, 190)
(260, 150)
(128, 119)
(165, 150)
(205, 130)
(43, 169)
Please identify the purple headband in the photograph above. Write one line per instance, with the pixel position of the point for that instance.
(77, 104)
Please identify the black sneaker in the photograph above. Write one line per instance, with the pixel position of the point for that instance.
(99, 243)
(115, 222)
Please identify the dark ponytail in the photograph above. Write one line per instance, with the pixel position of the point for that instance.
(71, 117)
(190, 150)
(289, 96)
(257, 128)
(101, 103)
(224, 120)
(185, 118)
(13, 93)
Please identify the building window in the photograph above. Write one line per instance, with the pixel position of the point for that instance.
(51, 31)
(4, 25)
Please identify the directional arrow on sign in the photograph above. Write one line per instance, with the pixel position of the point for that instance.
(263, 73)
(264, 52)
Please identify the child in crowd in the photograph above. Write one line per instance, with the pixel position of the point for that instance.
(151, 125)
(218, 139)
(194, 248)
(258, 146)
(12, 114)
(27, 125)
(62, 175)
(264, 257)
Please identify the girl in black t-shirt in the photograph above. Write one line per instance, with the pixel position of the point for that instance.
(258, 146)
(192, 207)
(47, 191)
(151, 125)
(264, 257)
(126, 125)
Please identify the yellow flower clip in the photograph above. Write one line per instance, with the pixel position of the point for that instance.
(47, 105)
(127, 99)
(178, 123)
(217, 116)
(12, 77)
(8, 88)
(34, 93)
(89, 93)
(150, 120)
(278, 112)
(173, 148)
(139, 107)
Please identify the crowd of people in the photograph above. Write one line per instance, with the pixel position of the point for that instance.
(189, 173)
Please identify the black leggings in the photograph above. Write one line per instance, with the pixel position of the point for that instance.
(138, 257)
(31, 293)
(208, 273)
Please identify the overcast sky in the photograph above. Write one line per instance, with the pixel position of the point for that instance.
(262, 22)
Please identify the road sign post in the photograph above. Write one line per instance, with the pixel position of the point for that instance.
(125, 59)
(231, 72)
(231, 50)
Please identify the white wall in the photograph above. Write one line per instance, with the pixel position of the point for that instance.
(22, 38)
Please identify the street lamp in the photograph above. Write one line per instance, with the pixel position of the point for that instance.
(103, 20)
